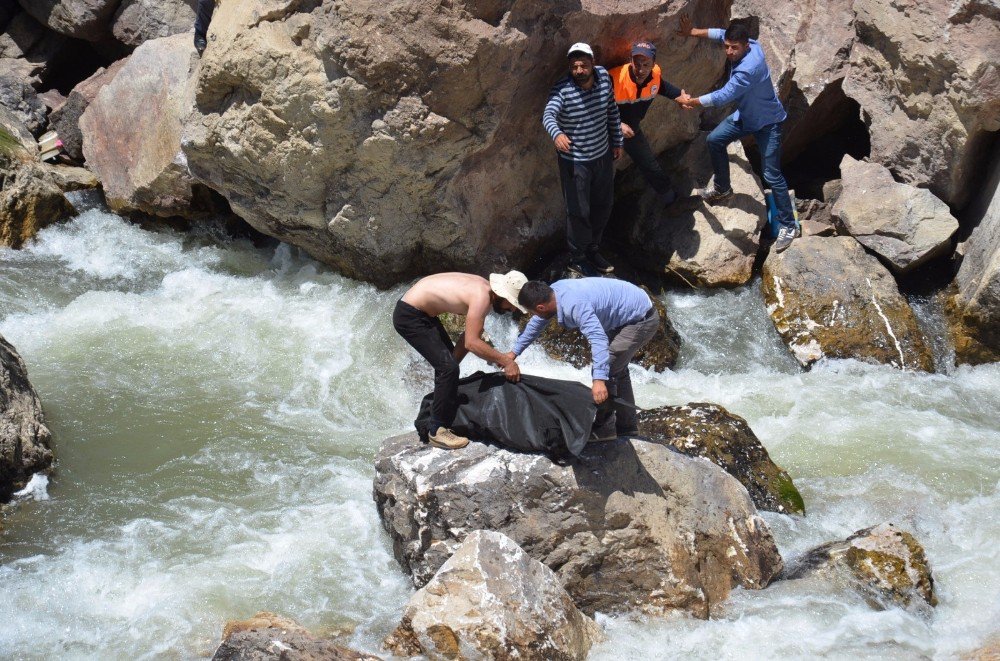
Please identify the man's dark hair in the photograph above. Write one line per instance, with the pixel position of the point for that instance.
(534, 292)
(738, 32)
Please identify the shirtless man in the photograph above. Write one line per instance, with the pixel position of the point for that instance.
(415, 319)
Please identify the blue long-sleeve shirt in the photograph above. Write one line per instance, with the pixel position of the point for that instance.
(750, 86)
(596, 306)
(589, 118)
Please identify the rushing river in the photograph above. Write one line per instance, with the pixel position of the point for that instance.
(216, 409)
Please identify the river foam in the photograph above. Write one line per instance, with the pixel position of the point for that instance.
(216, 409)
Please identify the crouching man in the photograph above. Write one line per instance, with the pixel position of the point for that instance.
(617, 319)
(416, 320)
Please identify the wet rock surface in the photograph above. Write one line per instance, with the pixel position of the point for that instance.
(829, 298)
(132, 131)
(632, 525)
(24, 438)
(905, 225)
(689, 242)
(491, 600)
(887, 565)
(712, 432)
(974, 309)
(270, 637)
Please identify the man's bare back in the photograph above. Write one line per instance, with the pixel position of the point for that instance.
(450, 292)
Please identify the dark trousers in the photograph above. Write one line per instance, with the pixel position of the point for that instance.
(638, 149)
(588, 189)
(769, 142)
(426, 334)
(203, 18)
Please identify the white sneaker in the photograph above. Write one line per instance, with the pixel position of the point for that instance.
(785, 237)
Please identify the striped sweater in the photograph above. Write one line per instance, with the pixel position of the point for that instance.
(589, 118)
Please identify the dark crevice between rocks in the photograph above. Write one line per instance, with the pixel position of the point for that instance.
(814, 146)
(986, 158)
(73, 65)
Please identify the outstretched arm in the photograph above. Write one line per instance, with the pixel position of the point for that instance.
(687, 29)
(474, 343)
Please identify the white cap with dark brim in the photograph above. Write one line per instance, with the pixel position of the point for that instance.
(580, 48)
(507, 286)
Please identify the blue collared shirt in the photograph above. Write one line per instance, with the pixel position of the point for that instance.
(750, 86)
(596, 306)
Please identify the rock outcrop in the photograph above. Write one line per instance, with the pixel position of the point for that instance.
(690, 242)
(84, 19)
(829, 298)
(907, 226)
(571, 345)
(491, 600)
(390, 140)
(631, 525)
(928, 81)
(138, 21)
(886, 564)
(18, 95)
(66, 119)
(270, 637)
(974, 310)
(132, 131)
(24, 437)
(712, 432)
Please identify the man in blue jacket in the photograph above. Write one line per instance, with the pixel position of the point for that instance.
(758, 113)
(616, 317)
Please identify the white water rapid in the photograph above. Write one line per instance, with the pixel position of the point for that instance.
(216, 409)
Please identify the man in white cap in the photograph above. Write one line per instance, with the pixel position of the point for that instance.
(582, 118)
(416, 320)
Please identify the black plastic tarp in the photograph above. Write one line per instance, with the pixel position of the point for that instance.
(534, 415)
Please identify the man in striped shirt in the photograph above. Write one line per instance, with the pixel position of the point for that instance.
(582, 118)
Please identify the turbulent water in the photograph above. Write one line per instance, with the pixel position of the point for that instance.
(216, 409)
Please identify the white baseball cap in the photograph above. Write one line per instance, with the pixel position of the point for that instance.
(580, 47)
(508, 286)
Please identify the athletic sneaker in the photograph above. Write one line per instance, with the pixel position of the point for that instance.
(601, 437)
(599, 263)
(582, 268)
(713, 195)
(446, 439)
(200, 45)
(785, 237)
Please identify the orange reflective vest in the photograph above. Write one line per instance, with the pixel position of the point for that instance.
(626, 90)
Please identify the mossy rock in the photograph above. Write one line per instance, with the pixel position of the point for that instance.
(712, 432)
(571, 346)
(886, 565)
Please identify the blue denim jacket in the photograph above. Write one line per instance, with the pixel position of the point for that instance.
(750, 86)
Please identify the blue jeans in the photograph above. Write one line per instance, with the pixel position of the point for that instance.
(769, 142)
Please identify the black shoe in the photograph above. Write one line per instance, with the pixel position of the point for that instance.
(200, 45)
(599, 263)
(668, 198)
(713, 195)
(582, 268)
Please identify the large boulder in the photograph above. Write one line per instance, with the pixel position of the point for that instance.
(66, 119)
(927, 78)
(270, 637)
(974, 309)
(630, 525)
(84, 19)
(138, 21)
(24, 437)
(829, 298)
(690, 242)
(397, 138)
(571, 345)
(491, 600)
(132, 131)
(712, 432)
(887, 565)
(907, 226)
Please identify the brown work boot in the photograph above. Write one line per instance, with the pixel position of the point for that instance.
(446, 439)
